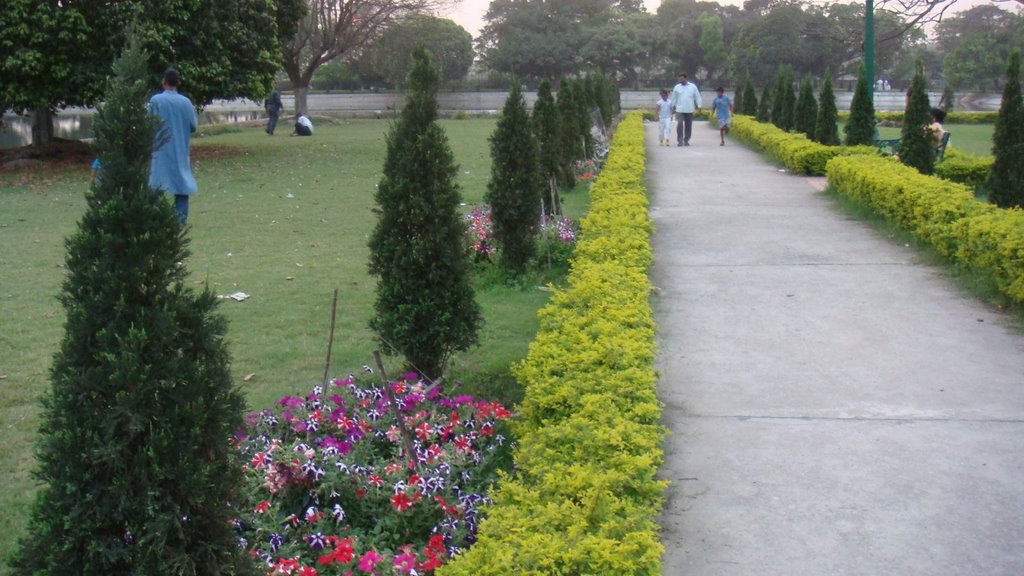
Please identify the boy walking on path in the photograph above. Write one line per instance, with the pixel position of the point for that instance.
(663, 109)
(722, 105)
(171, 169)
(685, 101)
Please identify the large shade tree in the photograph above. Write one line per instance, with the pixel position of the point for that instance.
(335, 29)
(59, 53)
(389, 59)
(976, 43)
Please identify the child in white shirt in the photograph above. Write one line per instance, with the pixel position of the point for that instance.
(663, 108)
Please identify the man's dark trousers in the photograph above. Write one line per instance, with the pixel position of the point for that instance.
(683, 127)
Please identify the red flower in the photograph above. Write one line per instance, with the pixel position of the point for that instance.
(342, 553)
(262, 507)
(401, 502)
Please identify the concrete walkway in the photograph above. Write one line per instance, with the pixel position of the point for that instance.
(836, 407)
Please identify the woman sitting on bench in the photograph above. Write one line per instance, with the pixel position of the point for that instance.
(935, 130)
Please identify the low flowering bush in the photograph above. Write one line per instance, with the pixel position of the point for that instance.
(560, 228)
(480, 232)
(585, 170)
(332, 488)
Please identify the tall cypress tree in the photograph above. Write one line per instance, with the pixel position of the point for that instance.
(826, 129)
(737, 99)
(915, 148)
(789, 104)
(860, 128)
(749, 98)
(765, 105)
(425, 307)
(514, 191)
(584, 105)
(779, 99)
(547, 130)
(133, 449)
(1006, 180)
(806, 114)
(570, 142)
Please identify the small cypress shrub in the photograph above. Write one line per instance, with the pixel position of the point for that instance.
(1006, 180)
(915, 148)
(826, 129)
(425, 307)
(133, 450)
(806, 114)
(860, 128)
(547, 130)
(584, 104)
(749, 98)
(779, 99)
(514, 191)
(765, 105)
(737, 99)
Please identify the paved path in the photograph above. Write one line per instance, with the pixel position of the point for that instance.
(836, 407)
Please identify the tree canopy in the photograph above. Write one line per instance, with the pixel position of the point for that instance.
(390, 58)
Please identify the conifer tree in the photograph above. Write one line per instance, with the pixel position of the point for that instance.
(1006, 180)
(789, 104)
(584, 105)
(826, 129)
(570, 140)
(515, 189)
(806, 114)
(860, 128)
(425, 307)
(134, 451)
(737, 99)
(948, 98)
(765, 105)
(749, 98)
(779, 99)
(547, 130)
(915, 148)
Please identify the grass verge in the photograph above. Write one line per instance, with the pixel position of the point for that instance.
(284, 220)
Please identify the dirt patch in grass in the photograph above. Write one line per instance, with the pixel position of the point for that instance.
(33, 164)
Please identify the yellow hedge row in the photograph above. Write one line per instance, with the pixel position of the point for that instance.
(795, 151)
(585, 499)
(972, 233)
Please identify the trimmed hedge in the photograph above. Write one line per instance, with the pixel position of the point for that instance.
(795, 151)
(971, 233)
(585, 499)
(964, 168)
(896, 118)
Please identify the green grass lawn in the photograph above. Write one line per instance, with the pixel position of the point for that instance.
(971, 138)
(285, 220)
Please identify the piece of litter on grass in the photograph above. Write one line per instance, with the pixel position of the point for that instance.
(299, 264)
(289, 277)
(249, 377)
(237, 296)
(289, 195)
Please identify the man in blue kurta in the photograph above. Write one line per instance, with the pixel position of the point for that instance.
(171, 170)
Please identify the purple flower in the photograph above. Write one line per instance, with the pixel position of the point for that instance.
(317, 541)
(292, 402)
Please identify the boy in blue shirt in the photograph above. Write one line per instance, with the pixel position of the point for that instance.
(722, 105)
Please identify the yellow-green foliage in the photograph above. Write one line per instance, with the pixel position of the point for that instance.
(964, 168)
(585, 497)
(795, 151)
(971, 233)
(896, 118)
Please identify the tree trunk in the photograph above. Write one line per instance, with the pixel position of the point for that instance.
(300, 98)
(42, 126)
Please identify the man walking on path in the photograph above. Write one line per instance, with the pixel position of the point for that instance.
(685, 100)
(171, 168)
(836, 406)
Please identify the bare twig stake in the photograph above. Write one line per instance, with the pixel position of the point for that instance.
(330, 339)
(410, 452)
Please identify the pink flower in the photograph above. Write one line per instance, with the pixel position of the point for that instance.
(404, 563)
(369, 561)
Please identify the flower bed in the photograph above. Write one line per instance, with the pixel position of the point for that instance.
(331, 485)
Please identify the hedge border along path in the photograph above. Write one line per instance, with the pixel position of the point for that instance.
(945, 214)
(585, 500)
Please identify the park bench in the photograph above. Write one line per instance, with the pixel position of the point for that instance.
(891, 146)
